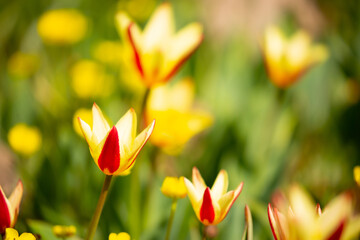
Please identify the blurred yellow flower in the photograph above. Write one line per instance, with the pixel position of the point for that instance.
(174, 187)
(177, 121)
(139, 9)
(303, 219)
(357, 175)
(157, 51)
(211, 205)
(64, 231)
(9, 207)
(24, 139)
(120, 236)
(86, 115)
(22, 65)
(89, 79)
(62, 26)
(286, 59)
(109, 52)
(12, 234)
(115, 149)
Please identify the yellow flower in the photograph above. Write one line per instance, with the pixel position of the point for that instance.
(22, 65)
(90, 80)
(286, 59)
(177, 121)
(174, 187)
(157, 51)
(211, 205)
(120, 236)
(64, 231)
(24, 139)
(62, 26)
(109, 52)
(357, 175)
(9, 207)
(304, 220)
(12, 234)
(115, 149)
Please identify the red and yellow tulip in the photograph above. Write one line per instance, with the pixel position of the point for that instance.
(9, 207)
(287, 59)
(211, 205)
(157, 51)
(303, 219)
(115, 149)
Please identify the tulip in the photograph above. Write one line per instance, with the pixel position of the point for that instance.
(174, 187)
(177, 121)
(115, 149)
(304, 220)
(287, 59)
(211, 205)
(9, 207)
(157, 51)
(12, 234)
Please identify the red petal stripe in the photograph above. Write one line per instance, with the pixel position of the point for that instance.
(136, 54)
(5, 220)
(337, 233)
(207, 209)
(110, 154)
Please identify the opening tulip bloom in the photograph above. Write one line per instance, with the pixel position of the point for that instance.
(157, 51)
(211, 205)
(304, 220)
(286, 59)
(115, 149)
(9, 207)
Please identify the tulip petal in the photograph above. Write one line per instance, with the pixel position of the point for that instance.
(198, 181)
(336, 235)
(194, 196)
(273, 223)
(227, 200)
(5, 217)
(86, 130)
(100, 125)
(126, 128)
(207, 212)
(109, 159)
(159, 29)
(15, 200)
(134, 36)
(220, 185)
(182, 46)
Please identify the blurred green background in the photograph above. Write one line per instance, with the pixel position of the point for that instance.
(308, 133)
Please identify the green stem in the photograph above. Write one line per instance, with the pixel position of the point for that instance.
(204, 233)
(99, 207)
(171, 219)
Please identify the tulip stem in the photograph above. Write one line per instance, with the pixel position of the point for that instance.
(99, 207)
(171, 219)
(204, 233)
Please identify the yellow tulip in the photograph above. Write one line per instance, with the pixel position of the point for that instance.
(22, 65)
(62, 26)
(9, 207)
(177, 120)
(64, 231)
(303, 219)
(120, 236)
(12, 234)
(157, 51)
(211, 205)
(287, 59)
(24, 139)
(115, 149)
(174, 187)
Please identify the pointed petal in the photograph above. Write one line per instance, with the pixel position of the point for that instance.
(160, 28)
(86, 130)
(352, 229)
(5, 220)
(194, 195)
(100, 125)
(135, 41)
(249, 223)
(220, 185)
(273, 223)
(198, 181)
(126, 128)
(336, 235)
(15, 200)
(207, 212)
(227, 200)
(109, 159)
(182, 46)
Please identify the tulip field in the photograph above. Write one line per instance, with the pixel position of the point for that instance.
(180, 120)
